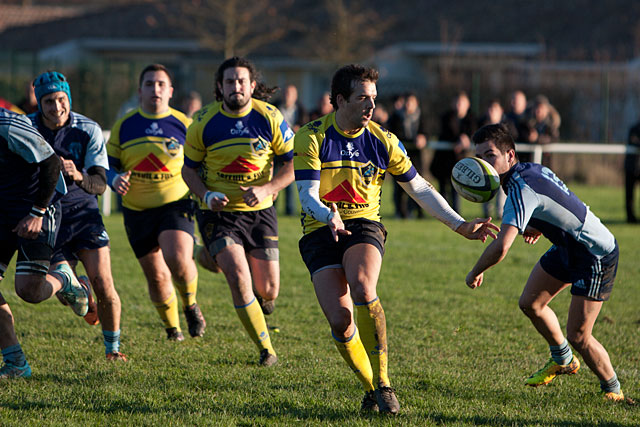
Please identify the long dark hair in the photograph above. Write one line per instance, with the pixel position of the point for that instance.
(261, 92)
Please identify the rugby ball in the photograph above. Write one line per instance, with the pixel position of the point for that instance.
(475, 180)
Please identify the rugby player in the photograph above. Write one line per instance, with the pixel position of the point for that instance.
(29, 219)
(229, 153)
(584, 255)
(145, 158)
(82, 236)
(340, 163)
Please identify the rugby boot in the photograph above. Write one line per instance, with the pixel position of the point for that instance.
(9, 370)
(116, 355)
(72, 292)
(551, 370)
(267, 359)
(195, 320)
(387, 401)
(369, 402)
(92, 313)
(173, 334)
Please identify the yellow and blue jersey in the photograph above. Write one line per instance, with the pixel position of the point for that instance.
(350, 168)
(151, 146)
(237, 150)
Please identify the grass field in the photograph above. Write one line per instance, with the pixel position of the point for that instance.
(457, 357)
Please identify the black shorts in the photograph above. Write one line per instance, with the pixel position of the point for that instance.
(589, 276)
(319, 250)
(33, 255)
(80, 229)
(144, 227)
(253, 230)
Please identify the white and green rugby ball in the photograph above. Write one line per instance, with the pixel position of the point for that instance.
(475, 180)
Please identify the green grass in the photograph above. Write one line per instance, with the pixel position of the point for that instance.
(457, 357)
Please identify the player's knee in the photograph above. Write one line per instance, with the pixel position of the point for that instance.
(340, 323)
(28, 288)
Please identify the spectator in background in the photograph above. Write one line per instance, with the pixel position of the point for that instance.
(406, 123)
(632, 173)
(324, 107)
(191, 103)
(494, 115)
(295, 116)
(543, 125)
(457, 125)
(29, 104)
(381, 115)
(516, 122)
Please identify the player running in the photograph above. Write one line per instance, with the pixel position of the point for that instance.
(29, 219)
(229, 154)
(82, 236)
(340, 161)
(146, 147)
(584, 255)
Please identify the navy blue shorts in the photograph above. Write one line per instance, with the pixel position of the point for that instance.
(319, 250)
(253, 230)
(33, 255)
(80, 229)
(590, 276)
(144, 227)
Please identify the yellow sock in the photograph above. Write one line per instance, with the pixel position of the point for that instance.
(373, 332)
(253, 320)
(188, 291)
(355, 355)
(168, 311)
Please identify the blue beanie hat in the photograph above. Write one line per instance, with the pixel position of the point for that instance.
(49, 82)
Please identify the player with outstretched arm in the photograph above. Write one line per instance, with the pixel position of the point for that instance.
(584, 255)
(340, 162)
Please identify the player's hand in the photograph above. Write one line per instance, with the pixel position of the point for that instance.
(253, 196)
(121, 183)
(335, 223)
(69, 169)
(531, 235)
(215, 200)
(29, 227)
(479, 229)
(474, 281)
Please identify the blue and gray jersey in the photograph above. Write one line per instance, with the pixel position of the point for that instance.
(82, 141)
(21, 149)
(537, 197)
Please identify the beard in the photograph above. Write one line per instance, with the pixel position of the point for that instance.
(235, 103)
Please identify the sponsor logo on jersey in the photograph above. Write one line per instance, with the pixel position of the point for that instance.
(154, 129)
(344, 192)
(314, 126)
(240, 165)
(350, 151)
(239, 129)
(151, 163)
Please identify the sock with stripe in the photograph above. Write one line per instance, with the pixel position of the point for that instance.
(612, 385)
(168, 311)
(354, 353)
(188, 291)
(111, 341)
(373, 333)
(253, 321)
(561, 354)
(14, 355)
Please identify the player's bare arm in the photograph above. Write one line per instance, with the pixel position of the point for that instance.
(492, 255)
(213, 199)
(531, 235)
(121, 184)
(478, 229)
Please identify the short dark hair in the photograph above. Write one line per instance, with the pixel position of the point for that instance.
(498, 133)
(261, 92)
(345, 79)
(155, 67)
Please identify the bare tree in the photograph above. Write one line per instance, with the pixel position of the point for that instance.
(231, 26)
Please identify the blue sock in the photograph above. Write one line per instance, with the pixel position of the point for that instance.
(613, 385)
(561, 354)
(111, 341)
(14, 355)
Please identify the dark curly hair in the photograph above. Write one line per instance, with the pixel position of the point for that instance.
(261, 92)
(344, 80)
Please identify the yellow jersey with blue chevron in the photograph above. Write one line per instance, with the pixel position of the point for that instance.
(350, 168)
(237, 150)
(151, 147)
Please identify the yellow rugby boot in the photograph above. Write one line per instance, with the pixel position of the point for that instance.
(551, 370)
